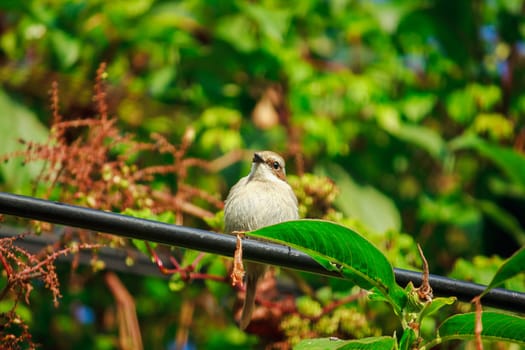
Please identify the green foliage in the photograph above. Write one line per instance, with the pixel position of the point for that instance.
(510, 268)
(19, 123)
(511, 162)
(338, 248)
(372, 208)
(380, 343)
(166, 217)
(402, 120)
(496, 326)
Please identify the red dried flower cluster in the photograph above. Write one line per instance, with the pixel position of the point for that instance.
(89, 162)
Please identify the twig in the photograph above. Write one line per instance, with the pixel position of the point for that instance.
(237, 274)
(425, 290)
(185, 321)
(479, 323)
(186, 273)
(348, 299)
(129, 329)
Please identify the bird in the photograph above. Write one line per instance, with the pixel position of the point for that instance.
(260, 199)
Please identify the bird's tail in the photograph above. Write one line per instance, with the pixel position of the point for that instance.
(253, 273)
(249, 303)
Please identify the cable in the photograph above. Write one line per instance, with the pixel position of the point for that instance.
(222, 244)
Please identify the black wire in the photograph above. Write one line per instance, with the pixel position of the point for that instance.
(222, 244)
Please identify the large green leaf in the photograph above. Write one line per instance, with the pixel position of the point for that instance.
(423, 137)
(503, 218)
(371, 207)
(18, 122)
(379, 343)
(338, 248)
(510, 268)
(496, 326)
(508, 160)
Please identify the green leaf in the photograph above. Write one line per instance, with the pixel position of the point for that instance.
(461, 106)
(273, 23)
(496, 327)
(18, 123)
(322, 133)
(508, 160)
(423, 137)
(418, 106)
(148, 214)
(371, 207)
(238, 31)
(496, 125)
(161, 79)
(436, 305)
(373, 343)
(21, 310)
(66, 48)
(176, 284)
(167, 216)
(142, 246)
(338, 248)
(486, 96)
(502, 218)
(407, 339)
(510, 268)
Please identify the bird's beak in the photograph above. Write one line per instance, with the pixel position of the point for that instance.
(257, 158)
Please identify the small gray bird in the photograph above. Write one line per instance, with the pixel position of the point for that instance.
(260, 199)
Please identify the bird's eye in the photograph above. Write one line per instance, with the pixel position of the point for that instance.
(276, 165)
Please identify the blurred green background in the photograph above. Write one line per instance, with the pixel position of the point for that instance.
(415, 110)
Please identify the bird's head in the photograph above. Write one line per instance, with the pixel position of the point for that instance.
(268, 166)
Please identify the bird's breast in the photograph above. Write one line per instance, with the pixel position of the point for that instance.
(257, 204)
